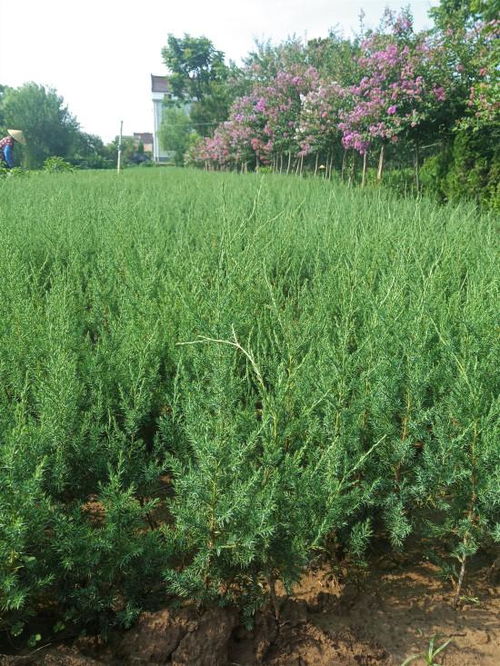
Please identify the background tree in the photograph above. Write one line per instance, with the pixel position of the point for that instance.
(199, 77)
(49, 127)
(465, 11)
(263, 64)
(336, 58)
(2, 121)
(129, 151)
(176, 133)
(89, 152)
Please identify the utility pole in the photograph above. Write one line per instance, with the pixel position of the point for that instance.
(119, 160)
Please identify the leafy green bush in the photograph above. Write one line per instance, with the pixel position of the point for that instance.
(468, 169)
(56, 165)
(206, 378)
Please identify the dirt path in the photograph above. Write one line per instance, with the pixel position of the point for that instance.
(380, 619)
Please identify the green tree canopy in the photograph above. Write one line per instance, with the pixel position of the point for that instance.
(175, 133)
(199, 77)
(194, 64)
(465, 11)
(2, 121)
(49, 127)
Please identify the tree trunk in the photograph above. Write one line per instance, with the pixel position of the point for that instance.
(352, 169)
(342, 173)
(380, 164)
(289, 162)
(316, 164)
(365, 164)
(417, 167)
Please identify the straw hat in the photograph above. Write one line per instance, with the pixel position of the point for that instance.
(17, 135)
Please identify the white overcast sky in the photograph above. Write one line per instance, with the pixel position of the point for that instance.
(99, 54)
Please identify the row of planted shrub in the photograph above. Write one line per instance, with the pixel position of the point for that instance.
(206, 377)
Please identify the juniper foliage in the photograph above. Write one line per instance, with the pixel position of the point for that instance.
(205, 378)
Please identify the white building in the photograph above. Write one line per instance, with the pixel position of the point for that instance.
(159, 90)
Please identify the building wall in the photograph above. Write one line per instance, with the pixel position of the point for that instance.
(160, 89)
(159, 155)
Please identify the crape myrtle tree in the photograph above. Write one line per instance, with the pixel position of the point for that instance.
(400, 89)
(263, 126)
(414, 99)
(318, 130)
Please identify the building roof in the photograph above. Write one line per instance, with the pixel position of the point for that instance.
(159, 84)
(144, 137)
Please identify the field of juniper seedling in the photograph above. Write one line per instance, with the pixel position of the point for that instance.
(211, 381)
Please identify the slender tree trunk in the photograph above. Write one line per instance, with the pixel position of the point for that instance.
(365, 164)
(316, 164)
(289, 162)
(380, 164)
(417, 167)
(301, 164)
(460, 581)
(342, 173)
(352, 170)
(273, 597)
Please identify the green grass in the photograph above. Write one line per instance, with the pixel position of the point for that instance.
(341, 383)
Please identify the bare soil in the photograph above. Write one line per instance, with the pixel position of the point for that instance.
(380, 618)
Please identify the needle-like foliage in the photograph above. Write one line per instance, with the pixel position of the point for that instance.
(207, 378)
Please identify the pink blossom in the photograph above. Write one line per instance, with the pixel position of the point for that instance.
(440, 94)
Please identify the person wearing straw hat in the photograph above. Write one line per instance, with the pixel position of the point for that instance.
(7, 146)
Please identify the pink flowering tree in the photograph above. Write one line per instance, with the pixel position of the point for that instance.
(235, 142)
(318, 131)
(262, 126)
(397, 92)
(282, 104)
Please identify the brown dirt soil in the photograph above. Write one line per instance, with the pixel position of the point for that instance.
(379, 619)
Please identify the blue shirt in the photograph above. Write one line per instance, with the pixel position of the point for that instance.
(8, 156)
(6, 150)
